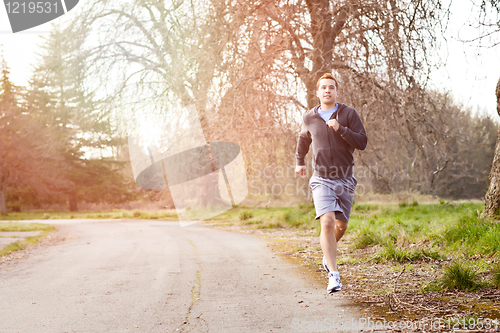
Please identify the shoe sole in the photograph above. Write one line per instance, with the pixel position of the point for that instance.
(333, 290)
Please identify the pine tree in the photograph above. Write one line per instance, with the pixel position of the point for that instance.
(28, 155)
(59, 95)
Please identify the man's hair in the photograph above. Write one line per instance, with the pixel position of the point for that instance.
(327, 76)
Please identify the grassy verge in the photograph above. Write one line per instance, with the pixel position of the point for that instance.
(21, 245)
(419, 232)
(111, 214)
(404, 233)
(300, 217)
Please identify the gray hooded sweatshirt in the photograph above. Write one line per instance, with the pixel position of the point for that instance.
(332, 150)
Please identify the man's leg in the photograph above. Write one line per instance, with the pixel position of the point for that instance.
(327, 239)
(330, 227)
(340, 228)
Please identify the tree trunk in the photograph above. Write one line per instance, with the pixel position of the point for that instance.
(492, 199)
(322, 33)
(324, 29)
(3, 207)
(73, 204)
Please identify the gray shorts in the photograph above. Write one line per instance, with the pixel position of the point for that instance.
(333, 195)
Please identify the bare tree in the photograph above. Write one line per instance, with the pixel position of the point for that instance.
(251, 67)
(152, 55)
(379, 51)
(155, 57)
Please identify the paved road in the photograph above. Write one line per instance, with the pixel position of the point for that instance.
(154, 276)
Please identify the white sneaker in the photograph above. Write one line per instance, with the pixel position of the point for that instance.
(334, 283)
(325, 265)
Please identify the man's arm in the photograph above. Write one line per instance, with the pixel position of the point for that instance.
(355, 134)
(303, 144)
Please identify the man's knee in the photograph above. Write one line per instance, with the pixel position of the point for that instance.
(327, 221)
(341, 225)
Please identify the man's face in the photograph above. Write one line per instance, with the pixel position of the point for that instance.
(327, 92)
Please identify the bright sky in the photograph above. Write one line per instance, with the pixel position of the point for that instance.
(471, 72)
(19, 49)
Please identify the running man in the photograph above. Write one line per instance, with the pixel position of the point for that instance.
(335, 130)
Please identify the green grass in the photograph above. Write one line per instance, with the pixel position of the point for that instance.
(251, 222)
(245, 214)
(366, 234)
(111, 214)
(344, 261)
(447, 229)
(399, 254)
(19, 226)
(365, 208)
(459, 276)
(301, 217)
(481, 236)
(431, 286)
(299, 249)
(406, 231)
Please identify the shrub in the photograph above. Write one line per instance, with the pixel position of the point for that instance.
(365, 239)
(274, 225)
(392, 252)
(367, 235)
(245, 215)
(459, 276)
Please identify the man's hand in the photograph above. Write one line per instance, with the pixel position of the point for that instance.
(300, 170)
(333, 123)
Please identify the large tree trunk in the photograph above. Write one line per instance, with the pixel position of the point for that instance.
(492, 199)
(324, 30)
(322, 33)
